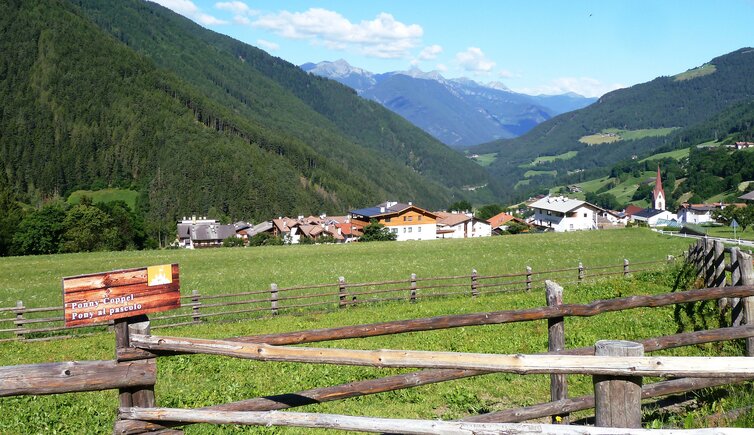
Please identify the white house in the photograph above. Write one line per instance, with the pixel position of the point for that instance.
(696, 213)
(461, 225)
(652, 215)
(561, 214)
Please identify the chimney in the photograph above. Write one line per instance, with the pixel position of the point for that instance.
(382, 209)
(410, 203)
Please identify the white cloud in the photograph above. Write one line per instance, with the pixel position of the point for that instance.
(585, 86)
(383, 36)
(188, 9)
(236, 7)
(430, 52)
(441, 67)
(267, 45)
(473, 59)
(504, 73)
(240, 10)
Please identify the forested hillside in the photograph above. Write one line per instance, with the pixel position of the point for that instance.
(693, 103)
(194, 124)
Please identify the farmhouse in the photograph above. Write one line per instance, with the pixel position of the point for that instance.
(203, 233)
(457, 225)
(501, 221)
(747, 197)
(406, 221)
(564, 214)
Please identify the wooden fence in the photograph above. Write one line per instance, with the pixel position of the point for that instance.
(45, 323)
(615, 367)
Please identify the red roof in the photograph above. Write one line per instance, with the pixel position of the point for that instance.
(500, 219)
(632, 209)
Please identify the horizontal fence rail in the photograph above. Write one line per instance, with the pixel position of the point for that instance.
(387, 425)
(46, 323)
(703, 367)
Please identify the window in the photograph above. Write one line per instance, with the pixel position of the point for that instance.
(387, 219)
(404, 218)
(394, 230)
(410, 229)
(419, 229)
(549, 213)
(585, 215)
(404, 230)
(420, 217)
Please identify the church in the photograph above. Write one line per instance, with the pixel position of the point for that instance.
(657, 212)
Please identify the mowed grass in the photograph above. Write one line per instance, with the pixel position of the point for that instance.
(531, 173)
(106, 195)
(675, 154)
(193, 381)
(37, 279)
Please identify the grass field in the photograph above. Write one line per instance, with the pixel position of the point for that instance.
(193, 381)
(531, 173)
(546, 159)
(37, 279)
(611, 135)
(676, 154)
(106, 195)
(696, 72)
(486, 159)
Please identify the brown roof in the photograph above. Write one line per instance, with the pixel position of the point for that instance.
(500, 219)
(632, 210)
(451, 219)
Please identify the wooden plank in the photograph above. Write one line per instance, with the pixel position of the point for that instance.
(382, 425)
(617, 399)
(556, 343)
(100, 298)
(74, 376)
(521, 364)
(497, 317)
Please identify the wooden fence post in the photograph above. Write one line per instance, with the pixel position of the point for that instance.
(138, 396)
(700, 256)
(747, 278)
(556, 343)
(626, 270)
(709, 262)
(274, 298)
(736, 313)
(412, 297)
(528, 278)
(617, 398)
(19, 322)
(718, 278)
(581, 273)
(342, 294)
(474, 284)
(196, 301)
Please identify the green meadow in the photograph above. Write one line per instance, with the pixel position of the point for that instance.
(194, 381)
(106, 195)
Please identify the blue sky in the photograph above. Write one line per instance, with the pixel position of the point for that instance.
(587, 47)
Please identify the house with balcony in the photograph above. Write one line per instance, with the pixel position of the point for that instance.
(457, 225)
(406, 221)
(560, 214)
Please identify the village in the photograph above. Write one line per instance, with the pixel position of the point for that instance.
(407, 221)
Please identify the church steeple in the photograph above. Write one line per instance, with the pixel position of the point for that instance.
(658, 194)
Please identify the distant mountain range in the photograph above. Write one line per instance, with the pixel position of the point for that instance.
(459, 112)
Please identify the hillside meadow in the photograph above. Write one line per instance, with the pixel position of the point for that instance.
(194, 381)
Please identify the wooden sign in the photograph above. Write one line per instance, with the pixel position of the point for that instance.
(101, 297)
